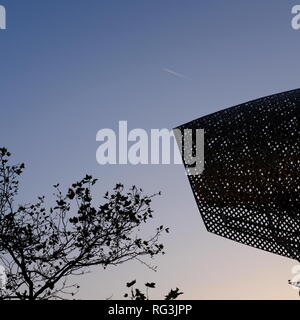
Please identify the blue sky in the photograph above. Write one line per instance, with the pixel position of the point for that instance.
(70, 68)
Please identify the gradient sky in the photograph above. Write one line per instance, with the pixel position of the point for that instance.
(71, 67)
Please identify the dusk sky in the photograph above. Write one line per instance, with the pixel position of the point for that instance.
(69, 68)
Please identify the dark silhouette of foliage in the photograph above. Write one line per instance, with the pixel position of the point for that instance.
(173, 294)
(130, 284)
(40, 249)
(137, 294)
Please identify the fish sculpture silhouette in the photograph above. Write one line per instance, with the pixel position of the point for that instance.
(249, 190)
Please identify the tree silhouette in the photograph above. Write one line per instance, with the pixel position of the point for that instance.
(137, 294)
(42, 249)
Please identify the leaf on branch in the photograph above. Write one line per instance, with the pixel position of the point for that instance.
(130, 284)
(71, 194)
(150, 285)
(173, 294)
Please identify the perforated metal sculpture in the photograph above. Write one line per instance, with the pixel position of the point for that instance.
(249, 190)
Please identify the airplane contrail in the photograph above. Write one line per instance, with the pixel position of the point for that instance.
(176, 74)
